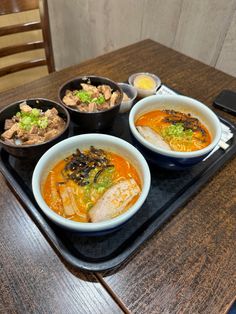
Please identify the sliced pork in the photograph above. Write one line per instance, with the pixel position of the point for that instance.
(153, 137)
(32, 126)
(114, 201)
(91, 98)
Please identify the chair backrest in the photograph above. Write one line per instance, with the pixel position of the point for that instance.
(17, 6)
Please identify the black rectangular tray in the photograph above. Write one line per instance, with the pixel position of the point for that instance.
(170, 190)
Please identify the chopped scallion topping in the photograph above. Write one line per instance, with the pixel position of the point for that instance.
(86, 97)
(177, 130)
(32, 118)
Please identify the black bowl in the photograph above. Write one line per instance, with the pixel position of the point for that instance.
(92, 121)
(33, 151)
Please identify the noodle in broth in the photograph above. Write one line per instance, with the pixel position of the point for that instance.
(182, 132)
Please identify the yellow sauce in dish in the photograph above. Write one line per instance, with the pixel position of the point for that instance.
(144, 82)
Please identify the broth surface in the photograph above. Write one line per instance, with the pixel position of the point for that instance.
(84, 190)
(182, 132)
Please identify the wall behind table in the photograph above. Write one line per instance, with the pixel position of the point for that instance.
(202, 29)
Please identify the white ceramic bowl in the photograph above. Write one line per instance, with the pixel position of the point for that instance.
(66, 148)
(131, 92)
(145, 92)
(174, 159)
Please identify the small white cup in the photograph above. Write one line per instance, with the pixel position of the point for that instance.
(131, 92)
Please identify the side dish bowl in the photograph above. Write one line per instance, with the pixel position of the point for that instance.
(33, 151)
(168, 158)
(145, 79)
(91, 121)
(131, 92)
(69, 146)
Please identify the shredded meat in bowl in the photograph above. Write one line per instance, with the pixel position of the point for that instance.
(91, 98)
(32, 126)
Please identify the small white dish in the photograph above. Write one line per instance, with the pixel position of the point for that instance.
(131, 92)
(145, 92)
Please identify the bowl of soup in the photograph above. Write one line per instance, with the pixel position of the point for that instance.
(91, 183)
(174, 131)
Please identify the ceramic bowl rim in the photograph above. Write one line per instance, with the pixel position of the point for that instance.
(132, 88)
(90, 227)
(154, 76)
(175, 154)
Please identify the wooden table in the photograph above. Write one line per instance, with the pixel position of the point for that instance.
(189, 266)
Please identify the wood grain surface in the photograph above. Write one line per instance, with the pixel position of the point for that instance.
(189, 266)
(32, 277)
(202, 28)
(227, 61)
(160, 20)
(90, 28)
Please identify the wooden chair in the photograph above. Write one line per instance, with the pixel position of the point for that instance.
(16, 6)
